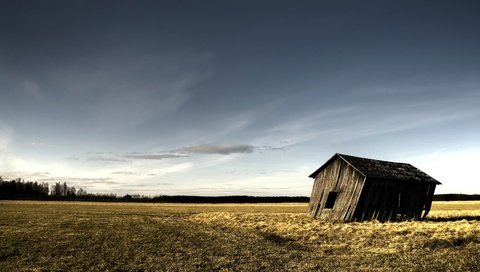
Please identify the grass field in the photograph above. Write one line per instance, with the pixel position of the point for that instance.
(76, 236)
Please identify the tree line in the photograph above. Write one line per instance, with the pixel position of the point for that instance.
(455, 197)
(21, 189)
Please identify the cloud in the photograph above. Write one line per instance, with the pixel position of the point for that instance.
(221, 149)
(353, 122)
(264, 148)
(225, 149)
(136, 173)
(133, 89)
(46, 173)
(9, 175)
(36, 144)
(105, 159)
(155, 156)
(128, 173)
(148, 184)
(5, 136)
(90, 180)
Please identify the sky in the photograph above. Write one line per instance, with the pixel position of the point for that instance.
(236, 97)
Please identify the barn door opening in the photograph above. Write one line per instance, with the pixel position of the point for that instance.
(332, 196)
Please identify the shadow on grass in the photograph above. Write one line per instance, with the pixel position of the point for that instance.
(453, 218)
(286, 242)
(274, 237)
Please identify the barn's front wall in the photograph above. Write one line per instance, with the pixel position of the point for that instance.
(337, 179)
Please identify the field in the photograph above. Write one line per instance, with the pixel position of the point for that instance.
(76, 236)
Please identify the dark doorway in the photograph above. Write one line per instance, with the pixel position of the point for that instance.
(332, 196)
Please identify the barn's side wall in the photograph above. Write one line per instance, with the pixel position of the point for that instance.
(388, 200)
(338, 177)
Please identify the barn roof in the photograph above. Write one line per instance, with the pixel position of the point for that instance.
(381, 169)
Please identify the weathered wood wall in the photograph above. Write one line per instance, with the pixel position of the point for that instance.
(339, 177)
(389, 200)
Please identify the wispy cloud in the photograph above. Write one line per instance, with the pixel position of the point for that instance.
(151, 185)
(136, 173)
(223, 149)
(343, 124)
(127, 173)
(88, 183)
(105, 159)
(134, 89)
(98, 153)
(5, 136)
(155, 156)
(264, 148)
(86, 180)
(24, 175)
(219, 149)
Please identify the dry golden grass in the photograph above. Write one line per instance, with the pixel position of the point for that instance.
(78, 236)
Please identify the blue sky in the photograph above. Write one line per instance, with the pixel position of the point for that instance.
(236, 97)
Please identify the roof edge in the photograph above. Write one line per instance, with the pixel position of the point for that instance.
(336, 155)
(349, 163)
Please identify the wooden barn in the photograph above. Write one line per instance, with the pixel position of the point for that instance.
(349, 188)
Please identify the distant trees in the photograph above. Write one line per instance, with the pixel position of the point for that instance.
(136, 196)
(455, 197)
(81, 192)
(18, 188)
(59, 189)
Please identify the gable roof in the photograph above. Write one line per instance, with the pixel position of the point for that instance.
(381, 169)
